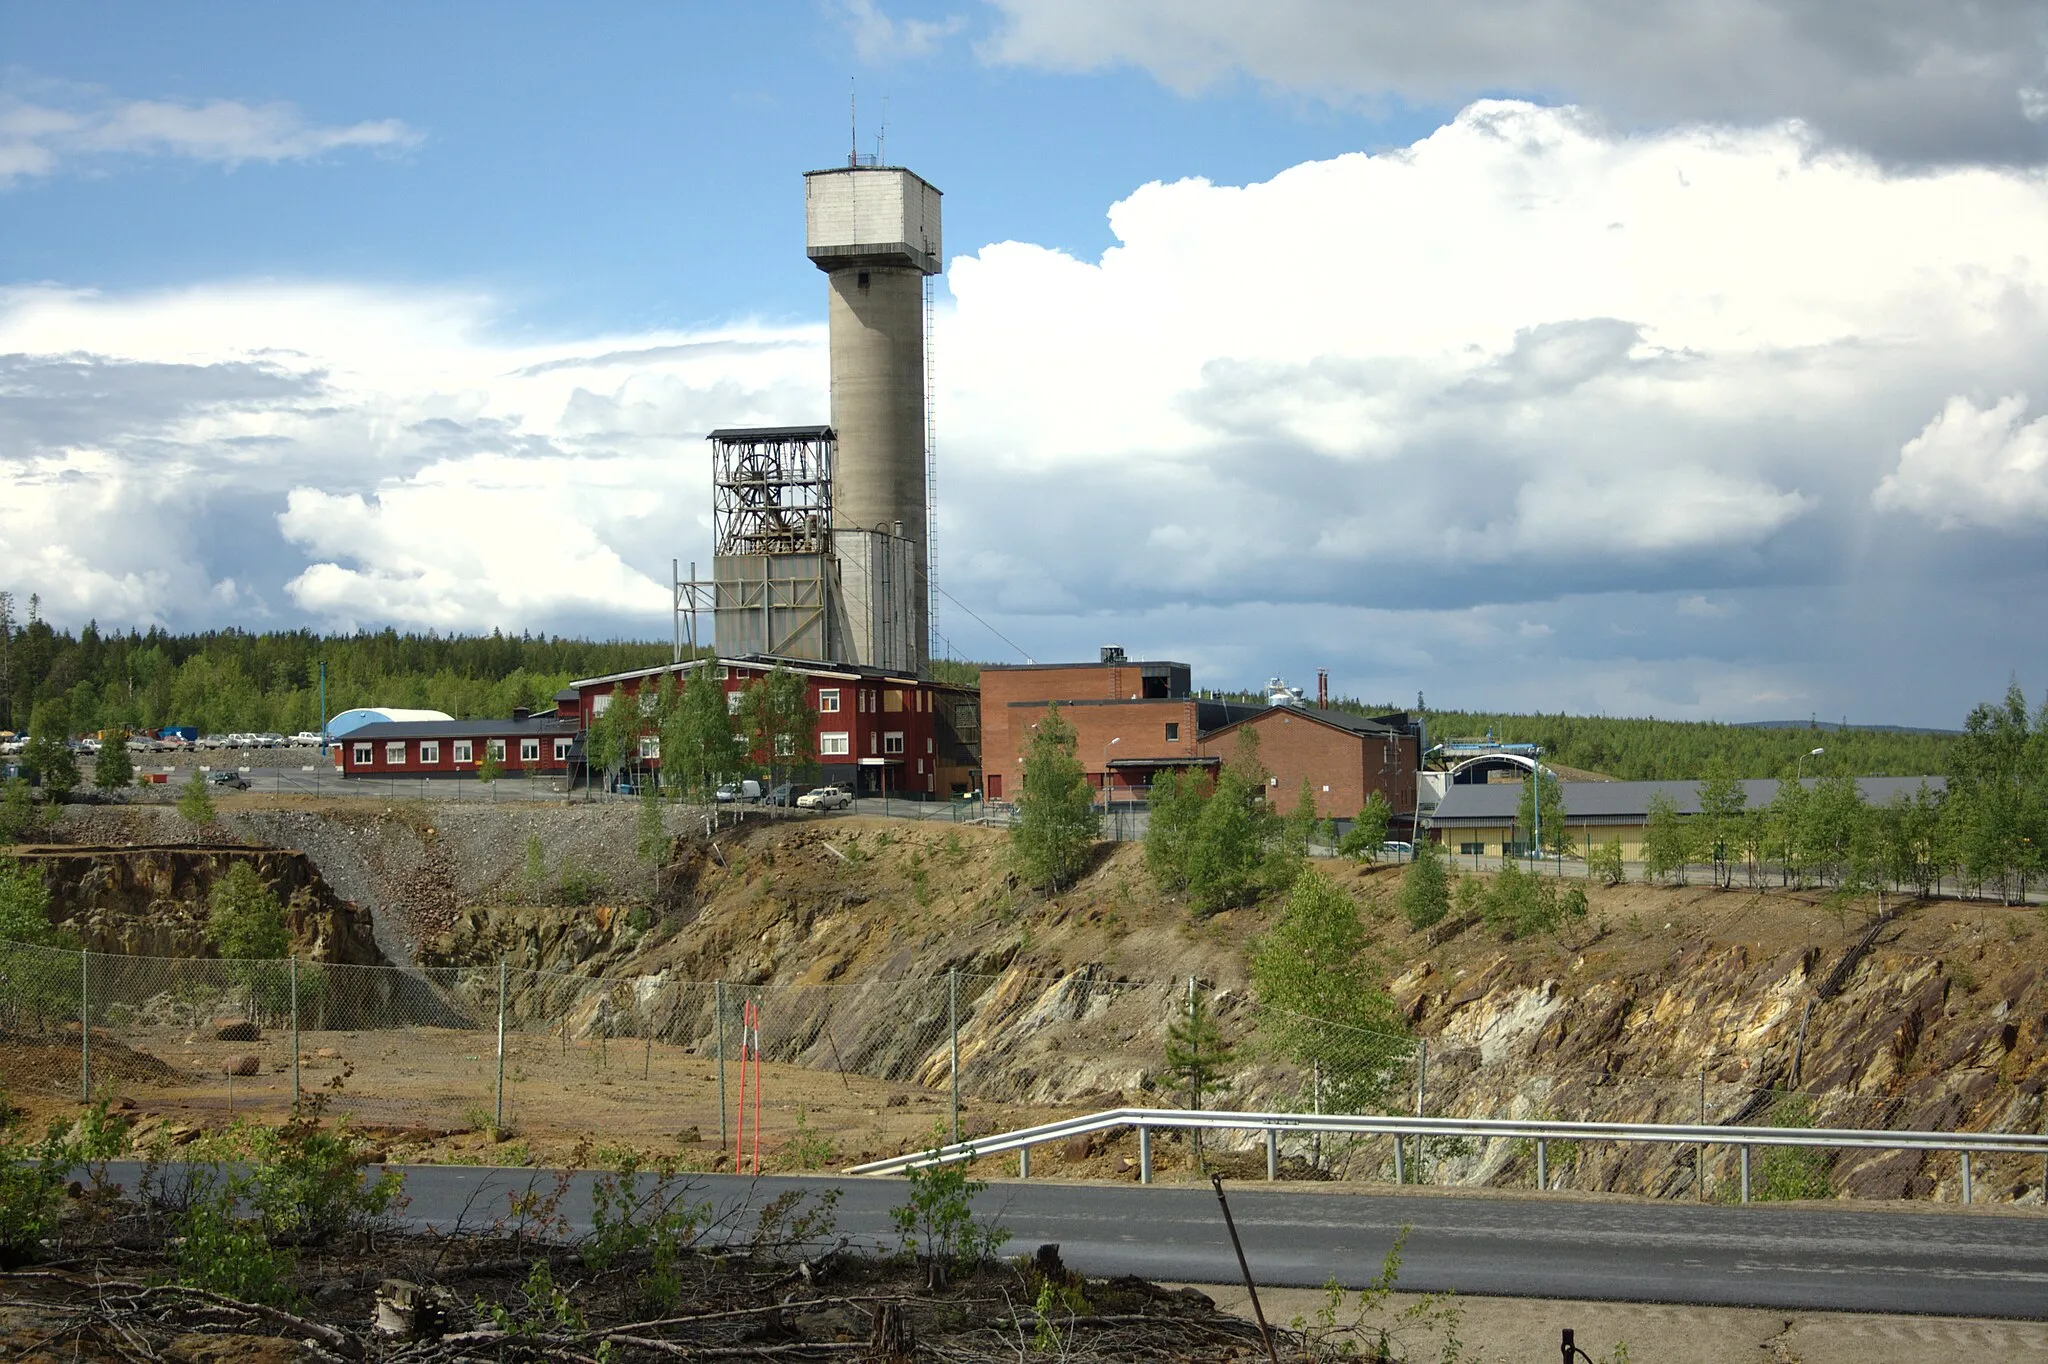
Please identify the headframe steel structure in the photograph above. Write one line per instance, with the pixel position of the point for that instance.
(771, 490)
(774, 564)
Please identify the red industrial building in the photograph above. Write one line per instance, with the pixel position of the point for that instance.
(1135, 719)
(877, 731)
(528, 744)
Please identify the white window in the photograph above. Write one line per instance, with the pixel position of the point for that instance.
(529, 750)
(892, 742)
(732, 702)
(464, 752)
(600, 703)
(498, 749)
(920, 767)
(394, 754)
(828, 700)
(650, 699)
(723, 672)
(430, 751)
(562, 749)
(833, 745)
(650, 746)
(871, 743)
(927, 745)
(363, 754)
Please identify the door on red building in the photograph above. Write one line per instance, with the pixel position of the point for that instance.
(995, 786)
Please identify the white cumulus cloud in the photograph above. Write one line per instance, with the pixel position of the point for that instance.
(1526, 370)
(38, 135)
(1973, 466)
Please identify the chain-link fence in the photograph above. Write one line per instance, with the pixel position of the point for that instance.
(811, 1075)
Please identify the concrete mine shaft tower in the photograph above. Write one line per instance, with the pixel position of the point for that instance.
(874, 231)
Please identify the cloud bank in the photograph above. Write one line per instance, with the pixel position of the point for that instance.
(1903, 79)
(1683, 422)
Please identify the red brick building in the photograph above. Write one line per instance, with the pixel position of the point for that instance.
(1135, 719)
(877, 731)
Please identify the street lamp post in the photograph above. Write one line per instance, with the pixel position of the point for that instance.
(1801, 769)
(1108, 808)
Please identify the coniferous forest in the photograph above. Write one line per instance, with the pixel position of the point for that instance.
(224, 681)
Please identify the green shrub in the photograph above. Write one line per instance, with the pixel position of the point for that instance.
(1425, 894)
(1793, 1172)
(33, 1175)
(24, 907)
(936, 1222)
(1604, 863)
(244, 921)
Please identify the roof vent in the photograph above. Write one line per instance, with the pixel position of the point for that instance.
(1113, 653)
(520, 714)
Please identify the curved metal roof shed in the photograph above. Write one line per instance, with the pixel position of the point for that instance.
(355, 719)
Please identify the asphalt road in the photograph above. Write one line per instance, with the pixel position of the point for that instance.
(1870, 1260)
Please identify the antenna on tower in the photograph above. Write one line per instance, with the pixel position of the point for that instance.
(852, 122)
(882, 137)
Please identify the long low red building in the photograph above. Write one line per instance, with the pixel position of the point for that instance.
(544, 744)
(876, 731)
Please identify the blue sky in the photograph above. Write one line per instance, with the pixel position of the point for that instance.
(1637, 357)
(605, 166)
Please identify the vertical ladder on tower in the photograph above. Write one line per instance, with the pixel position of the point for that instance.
(931, 484)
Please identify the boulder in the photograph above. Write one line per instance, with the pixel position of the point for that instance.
(242, 1065)
(236, 1030)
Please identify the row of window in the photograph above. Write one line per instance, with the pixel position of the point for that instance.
(832, 744)
(461, 751)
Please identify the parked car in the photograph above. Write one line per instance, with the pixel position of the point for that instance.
(785, 795)
(736, 792)
(227, 776)
(1396, 848)
(306, 738)
(825, 798)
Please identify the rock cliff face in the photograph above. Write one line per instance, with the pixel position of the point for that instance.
(152, 901)
(1941, 1025)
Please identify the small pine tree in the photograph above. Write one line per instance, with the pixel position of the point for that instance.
(244, 921)
(1425, 894)
(195, 802)
(113, 769)
(1197, 1057)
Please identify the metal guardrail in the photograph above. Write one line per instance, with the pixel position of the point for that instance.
(1540, 1131)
